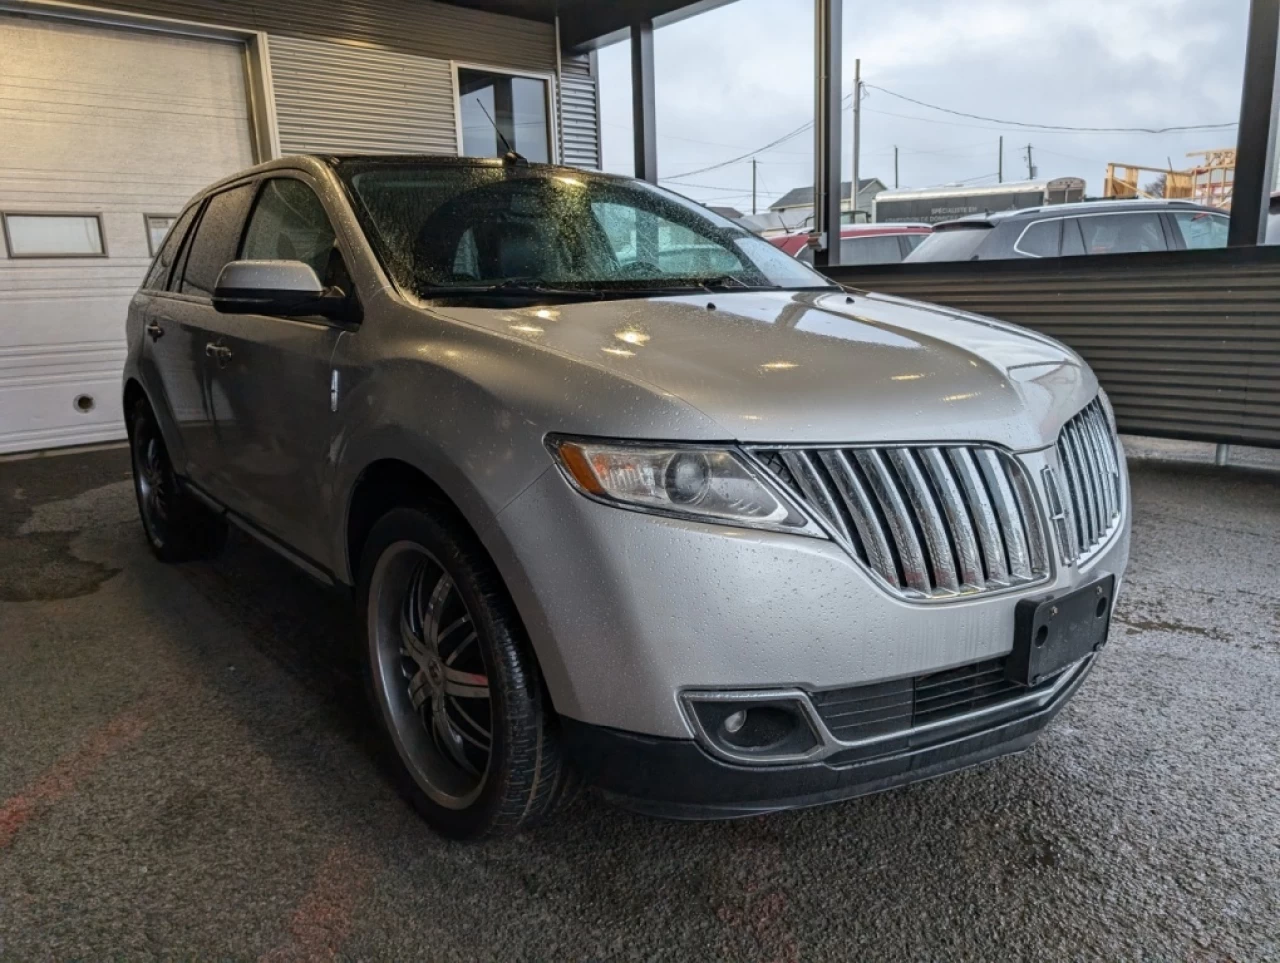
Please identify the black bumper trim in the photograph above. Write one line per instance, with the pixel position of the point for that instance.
(675, 778)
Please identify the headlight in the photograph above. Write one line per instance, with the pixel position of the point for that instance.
(707, 484)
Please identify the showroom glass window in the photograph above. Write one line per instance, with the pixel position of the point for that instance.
(289, 223)
(490, 102)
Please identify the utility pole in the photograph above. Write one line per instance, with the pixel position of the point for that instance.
(857, 137)
(895, 167)
(754, 163)
(1031, 165)
(1000, 175)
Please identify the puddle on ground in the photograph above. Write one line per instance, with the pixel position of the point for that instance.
(42, 560)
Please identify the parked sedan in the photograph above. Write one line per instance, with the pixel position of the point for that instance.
(622, 491)
(865, 244)
(1089, 227)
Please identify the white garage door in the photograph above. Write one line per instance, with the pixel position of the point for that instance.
(106, 133)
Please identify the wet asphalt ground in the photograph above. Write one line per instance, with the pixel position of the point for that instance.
(188, 771)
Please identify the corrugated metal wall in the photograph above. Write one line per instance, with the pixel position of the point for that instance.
(418, 27)
(1186, 344)
(334, 97)
(374, 75)
(579, 112)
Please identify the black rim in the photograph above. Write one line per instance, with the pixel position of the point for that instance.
(154, 478)
(432, 676)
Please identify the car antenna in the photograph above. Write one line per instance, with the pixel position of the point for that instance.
(512, 157)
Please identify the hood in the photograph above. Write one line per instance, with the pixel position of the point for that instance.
(820, 367)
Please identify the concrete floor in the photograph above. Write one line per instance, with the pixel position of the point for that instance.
(187, 770)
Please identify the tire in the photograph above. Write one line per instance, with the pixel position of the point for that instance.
(177, 526)
(439, 627)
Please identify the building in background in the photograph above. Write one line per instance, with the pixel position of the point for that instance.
(796, 206)
(115, 113)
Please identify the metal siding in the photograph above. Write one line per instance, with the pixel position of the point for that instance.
(579, 113)
(1186, 344)
(418, 27)
(333, 97)
(92, 123)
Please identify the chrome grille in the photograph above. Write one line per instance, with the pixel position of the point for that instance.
(1085, 492)
(933, 523)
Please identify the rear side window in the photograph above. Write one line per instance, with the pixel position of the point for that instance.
(289, 224)
(158, 276)
(1040, 239)
(216, 239)
(870, 250)
(1072, 239)
(952, 244)
(913, 241)
(1201, 230)
(1123, 233)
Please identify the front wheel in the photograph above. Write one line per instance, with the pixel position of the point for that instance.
(453, 681)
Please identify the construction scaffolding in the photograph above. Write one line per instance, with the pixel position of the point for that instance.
(1208, 182)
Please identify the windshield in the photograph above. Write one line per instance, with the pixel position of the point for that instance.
(443, 228)
(951, 244)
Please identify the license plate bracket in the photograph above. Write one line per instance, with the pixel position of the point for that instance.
(1052, 633)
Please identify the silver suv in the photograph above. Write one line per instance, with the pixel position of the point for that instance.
(625, 493)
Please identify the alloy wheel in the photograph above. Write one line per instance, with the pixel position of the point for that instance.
(431, 675)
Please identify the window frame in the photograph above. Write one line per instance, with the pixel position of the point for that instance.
(553, 89)
(260, 189)
(8, 236)
(146, 223)
(1167, 230)
(1017, 248)
(177, 275)
(1180, 241)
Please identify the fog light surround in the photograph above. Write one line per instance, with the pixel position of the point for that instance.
(755, 727)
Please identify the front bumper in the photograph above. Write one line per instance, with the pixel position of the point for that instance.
(676, 778)
(628, 611)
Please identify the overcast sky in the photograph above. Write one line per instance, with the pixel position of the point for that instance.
(736, 78)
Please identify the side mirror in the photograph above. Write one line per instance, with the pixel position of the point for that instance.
(283, 289)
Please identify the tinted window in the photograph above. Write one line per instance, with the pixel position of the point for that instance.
(870, 250)
(952, 244)
(159, 273)
(1200, 229)
(289, 224)
(436, 226)
(1040, 239)
(1122, 233)
(216, 238)
(1072, 239)
(913, 241)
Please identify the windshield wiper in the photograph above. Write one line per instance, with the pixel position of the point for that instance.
(517, 287)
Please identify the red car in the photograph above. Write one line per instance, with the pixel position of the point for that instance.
(864, 244)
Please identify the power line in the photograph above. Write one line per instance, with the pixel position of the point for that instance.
(759, 150)
(1048, 127)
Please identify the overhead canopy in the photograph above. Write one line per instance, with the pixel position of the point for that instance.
(587, 24)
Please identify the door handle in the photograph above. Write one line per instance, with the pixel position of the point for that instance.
(155, 331)
(220, 352)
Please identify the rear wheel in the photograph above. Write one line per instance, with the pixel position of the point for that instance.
(452, 679)
(178, 527)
